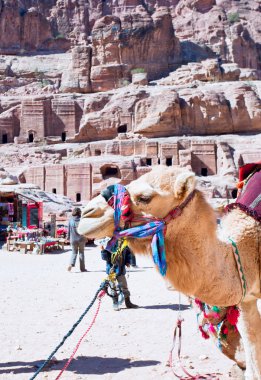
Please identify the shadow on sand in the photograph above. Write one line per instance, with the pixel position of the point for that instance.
(175, 307)
(81, 365)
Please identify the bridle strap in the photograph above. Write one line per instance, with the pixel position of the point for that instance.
(177, 211)
(174, 213)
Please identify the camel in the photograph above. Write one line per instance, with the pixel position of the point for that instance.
(199, 257)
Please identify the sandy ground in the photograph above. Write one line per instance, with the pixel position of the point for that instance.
(41, 301)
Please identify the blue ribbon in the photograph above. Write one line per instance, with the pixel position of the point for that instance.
(154, 228)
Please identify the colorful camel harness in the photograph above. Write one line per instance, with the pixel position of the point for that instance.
(118, 198)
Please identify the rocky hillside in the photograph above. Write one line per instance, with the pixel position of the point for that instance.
(129, 72)
(110, 38)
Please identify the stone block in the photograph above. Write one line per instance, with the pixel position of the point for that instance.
(127, 175)
(108, 77)
(20, 140)
(50, 140)
(140, 79)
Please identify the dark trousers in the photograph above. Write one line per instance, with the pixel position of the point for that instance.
(122, 283)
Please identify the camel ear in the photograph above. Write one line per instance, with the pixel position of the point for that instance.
(185, 183)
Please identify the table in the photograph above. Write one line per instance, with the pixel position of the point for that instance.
(27, 246)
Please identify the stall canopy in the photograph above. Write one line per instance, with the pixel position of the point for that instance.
(19, 207)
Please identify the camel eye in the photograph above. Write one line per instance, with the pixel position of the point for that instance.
(143, 199)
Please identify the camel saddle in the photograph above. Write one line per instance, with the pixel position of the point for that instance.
(249, 194)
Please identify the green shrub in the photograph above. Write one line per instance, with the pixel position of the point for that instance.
(138, 70)
(233, 17)
(59, 36)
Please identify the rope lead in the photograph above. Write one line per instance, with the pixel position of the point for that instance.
(102, 286)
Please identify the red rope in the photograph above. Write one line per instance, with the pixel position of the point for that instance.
(170, 361)
(101, 295)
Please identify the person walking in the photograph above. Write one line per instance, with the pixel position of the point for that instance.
(119, 267)
(77, 241)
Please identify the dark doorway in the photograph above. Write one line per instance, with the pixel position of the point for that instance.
(54, 191)
(169, 161)
(110, 171)
(4, 138)
(78, 197)
(158, 161)
(63, 136)
(31, 137)
(148, 161)
(204, 172)
(122, 128)
(234, 193)
(97, 152)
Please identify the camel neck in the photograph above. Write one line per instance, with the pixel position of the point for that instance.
(199, 262)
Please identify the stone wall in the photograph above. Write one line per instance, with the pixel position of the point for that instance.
(65, 118)
(55, 179)
(144, 111)
(203, 158)
(78, 178)
(9, 125)
(81, 181)
(44, 117)
(35, 119)
(36, 175)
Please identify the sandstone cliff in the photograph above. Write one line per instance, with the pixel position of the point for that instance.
(160, 81)
(205, 28)
(137, 40)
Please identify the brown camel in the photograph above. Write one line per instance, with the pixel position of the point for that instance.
(200, 258)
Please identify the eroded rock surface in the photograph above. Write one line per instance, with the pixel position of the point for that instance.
(134, 41)
(101, 90)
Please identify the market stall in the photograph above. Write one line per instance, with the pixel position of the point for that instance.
(19, 210)
(21, 223)
(32, 240)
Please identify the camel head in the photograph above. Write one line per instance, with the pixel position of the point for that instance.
(154, 194)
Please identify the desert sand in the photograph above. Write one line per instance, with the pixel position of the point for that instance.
(41, 301)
